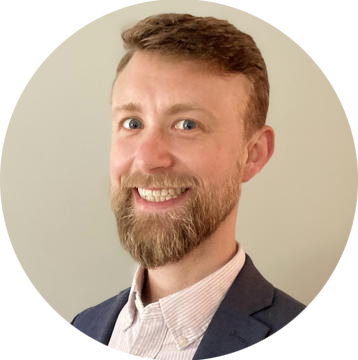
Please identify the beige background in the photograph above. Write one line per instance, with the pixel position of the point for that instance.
(294, 218)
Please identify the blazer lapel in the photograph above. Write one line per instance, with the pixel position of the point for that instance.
(232, 327)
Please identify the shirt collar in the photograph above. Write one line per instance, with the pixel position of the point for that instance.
(187, 313)
(134, 302)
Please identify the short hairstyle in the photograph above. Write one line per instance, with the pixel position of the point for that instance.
(213, 41)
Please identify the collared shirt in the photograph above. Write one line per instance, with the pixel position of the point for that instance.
(173, 327)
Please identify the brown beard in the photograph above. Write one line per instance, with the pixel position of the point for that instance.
(156, 239)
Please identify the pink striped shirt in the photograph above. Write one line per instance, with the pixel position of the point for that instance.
(173, 327)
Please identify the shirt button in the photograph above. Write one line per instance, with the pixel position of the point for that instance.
(182, 341)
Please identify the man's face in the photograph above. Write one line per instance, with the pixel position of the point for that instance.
(176, 157)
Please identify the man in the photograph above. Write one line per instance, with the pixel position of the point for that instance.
(189, 108)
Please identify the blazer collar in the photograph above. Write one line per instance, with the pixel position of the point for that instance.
(232, 327)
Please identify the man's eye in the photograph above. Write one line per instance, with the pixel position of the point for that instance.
(186, 125)
(132, 123)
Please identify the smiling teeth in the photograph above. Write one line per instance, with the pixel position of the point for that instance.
(160, 195)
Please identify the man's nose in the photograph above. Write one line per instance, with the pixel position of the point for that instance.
(154, 152)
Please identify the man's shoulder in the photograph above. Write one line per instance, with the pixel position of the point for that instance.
(301, 328)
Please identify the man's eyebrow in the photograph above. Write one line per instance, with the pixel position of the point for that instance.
(131, 106)
(180, 108)
(172, 110)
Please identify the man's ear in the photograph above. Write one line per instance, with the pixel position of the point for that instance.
(259, 150)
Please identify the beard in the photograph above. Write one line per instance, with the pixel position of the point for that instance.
(156, 239)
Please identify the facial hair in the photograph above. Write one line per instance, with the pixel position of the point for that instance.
(156, 239)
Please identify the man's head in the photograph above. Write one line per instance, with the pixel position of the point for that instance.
(189, 107)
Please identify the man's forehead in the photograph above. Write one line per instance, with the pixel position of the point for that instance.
(175, 87)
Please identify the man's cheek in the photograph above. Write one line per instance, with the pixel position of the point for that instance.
(117, 168)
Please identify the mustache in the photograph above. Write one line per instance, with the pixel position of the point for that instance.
(163, 180)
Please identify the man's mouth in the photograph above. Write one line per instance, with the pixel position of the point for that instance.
(160, 195)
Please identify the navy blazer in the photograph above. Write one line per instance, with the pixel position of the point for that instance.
(251, 310)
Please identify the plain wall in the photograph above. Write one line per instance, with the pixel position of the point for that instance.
(294, 217)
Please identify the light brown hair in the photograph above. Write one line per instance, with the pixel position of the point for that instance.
(216, 42)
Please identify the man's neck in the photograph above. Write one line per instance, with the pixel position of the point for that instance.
(213, 253)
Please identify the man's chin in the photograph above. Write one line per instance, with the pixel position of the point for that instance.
(157, 239)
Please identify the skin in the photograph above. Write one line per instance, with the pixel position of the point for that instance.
(161, 93)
